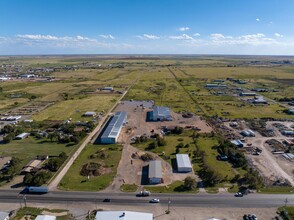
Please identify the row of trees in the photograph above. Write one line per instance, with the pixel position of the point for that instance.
(11, 132)
(41, 177)
(158, 142)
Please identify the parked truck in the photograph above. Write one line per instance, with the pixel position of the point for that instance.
(143, 193)
(36, 189)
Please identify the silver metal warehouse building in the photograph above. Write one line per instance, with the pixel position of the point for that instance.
(112, 131)
(161, 113)
(155, 172)
(183, 163)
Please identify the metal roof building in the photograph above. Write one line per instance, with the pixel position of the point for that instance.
(22, 136)
(4, 215)
(123, 215)
(237, 143)
(112, 131)
(183, 163)
(155, 172)
(46, 217)
(89, 113)
(161, 113)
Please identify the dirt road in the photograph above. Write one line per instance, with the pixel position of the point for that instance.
(267, 162)
(53, 184)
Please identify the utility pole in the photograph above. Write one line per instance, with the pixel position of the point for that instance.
(168, 206)
(20, 202)
(25, 200)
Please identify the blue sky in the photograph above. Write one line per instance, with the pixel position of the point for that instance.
(149, 26)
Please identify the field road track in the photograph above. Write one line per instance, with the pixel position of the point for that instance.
(54, 183)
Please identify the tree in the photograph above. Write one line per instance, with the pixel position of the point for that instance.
(33, 97)
(40, 178)
(189, 183)
(51, 136)
(161, 141)
(28, 178)
(62, 155)
(75, 139)
(8, 138)
(53, 164)
(152, 145)
(8, 129)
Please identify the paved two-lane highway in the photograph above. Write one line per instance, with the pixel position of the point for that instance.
(178, 200)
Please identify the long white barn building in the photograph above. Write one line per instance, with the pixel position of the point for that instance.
(113, 129)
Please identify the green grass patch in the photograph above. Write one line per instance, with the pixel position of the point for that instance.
(73, 180)
(129, 188)
(289, 210)
(30, 147)
(34, 212)
(233, 189)
(277, 190)
(168, 152)
(211, 190)
(175, 187)
(76, 108)
(224, 169)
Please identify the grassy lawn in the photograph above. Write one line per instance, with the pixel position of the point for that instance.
(239, 72)
(129, 188)
(75, 108)
(289, 210)
(222, 168)
(233, 189)
(168, 152)
(277, 190)
(166, 92)
(34, 212)
(74, 181)
(176, 186)
(30, 147)
(211, 190)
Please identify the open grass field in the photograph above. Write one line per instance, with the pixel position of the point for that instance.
(75, 108)
(176, 186)
(240, 72)
(74, 181)
(164, 92)
(129, 188)
(168, 152)
(29, 148)
(224, 169)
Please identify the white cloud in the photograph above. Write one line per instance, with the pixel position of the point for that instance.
(279, 35)
(148, 37)
(218, 36)
(181, 37)
(108, 36)
(184, 28)
(37, 37)
(196, 35)
(257, 19)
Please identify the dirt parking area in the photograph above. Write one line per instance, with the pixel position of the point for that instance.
(131, 168)
(137, 120)
(274, 167)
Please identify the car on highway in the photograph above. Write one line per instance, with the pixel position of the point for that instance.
(238, 194)
(154, 201)
(245, 217)
(106, 200)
